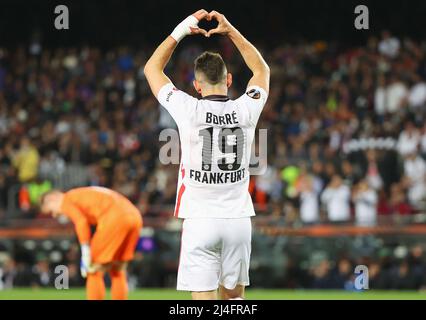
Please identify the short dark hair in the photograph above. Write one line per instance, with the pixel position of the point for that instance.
(212, 66)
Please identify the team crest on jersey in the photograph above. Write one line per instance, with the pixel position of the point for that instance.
(254, 94)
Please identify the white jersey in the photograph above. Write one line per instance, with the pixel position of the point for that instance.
(216, 135)
(337, 201)
(366, 208)
(309, 207)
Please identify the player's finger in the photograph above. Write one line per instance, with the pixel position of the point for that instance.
(202, 31)
(198, 31)
(213, 31)
(198, 12)
(201, 14)
(216, 15)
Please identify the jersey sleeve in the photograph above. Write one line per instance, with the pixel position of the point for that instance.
(178, 103)
(81, 224)
(254, 100)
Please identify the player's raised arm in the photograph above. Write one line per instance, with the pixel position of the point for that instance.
(251, 55)
(154, 67)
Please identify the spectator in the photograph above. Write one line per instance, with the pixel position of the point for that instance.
(398, 201)
(309, 206)
(26, 160)
(373, 175)
(336, 198)
(416, 264)
(408, 140)
(365, 200)
(415, 178)
(377, 278)
(417, 95)
(322, 278)
(380, 96)
(396, 93)
(389, 46)
(342, 274)
(403, 278)
(7, 272)
(41, 273)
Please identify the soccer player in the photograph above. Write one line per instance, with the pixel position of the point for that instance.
(216, 134)
(118, 223)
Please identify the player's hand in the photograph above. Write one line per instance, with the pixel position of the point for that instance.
(224, 27)
(86, 260)
(189, 26)
(200, 15)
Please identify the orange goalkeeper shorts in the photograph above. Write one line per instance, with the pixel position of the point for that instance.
(116, 236)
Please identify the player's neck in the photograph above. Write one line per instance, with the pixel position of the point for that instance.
(213, 91)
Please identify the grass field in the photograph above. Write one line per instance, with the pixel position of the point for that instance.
(252, 294)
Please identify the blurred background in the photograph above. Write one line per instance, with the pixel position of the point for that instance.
(346, 177)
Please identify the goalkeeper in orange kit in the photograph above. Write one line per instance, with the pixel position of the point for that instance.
(118, 223)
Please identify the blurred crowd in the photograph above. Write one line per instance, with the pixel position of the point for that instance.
(347, 131)
(346, 126)
(401, 267)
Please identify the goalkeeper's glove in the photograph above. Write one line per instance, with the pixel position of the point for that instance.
(86, 260)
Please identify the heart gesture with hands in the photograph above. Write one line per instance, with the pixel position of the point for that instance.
(154, 67)
(189, 26)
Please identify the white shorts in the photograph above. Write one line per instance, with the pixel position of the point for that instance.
(214, 252)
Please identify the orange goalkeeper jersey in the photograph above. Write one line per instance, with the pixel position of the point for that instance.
(88, 206)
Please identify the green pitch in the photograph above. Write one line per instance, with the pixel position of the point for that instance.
(252, 294)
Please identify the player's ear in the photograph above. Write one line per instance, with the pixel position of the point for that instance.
(228, 80)
(196, 86)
